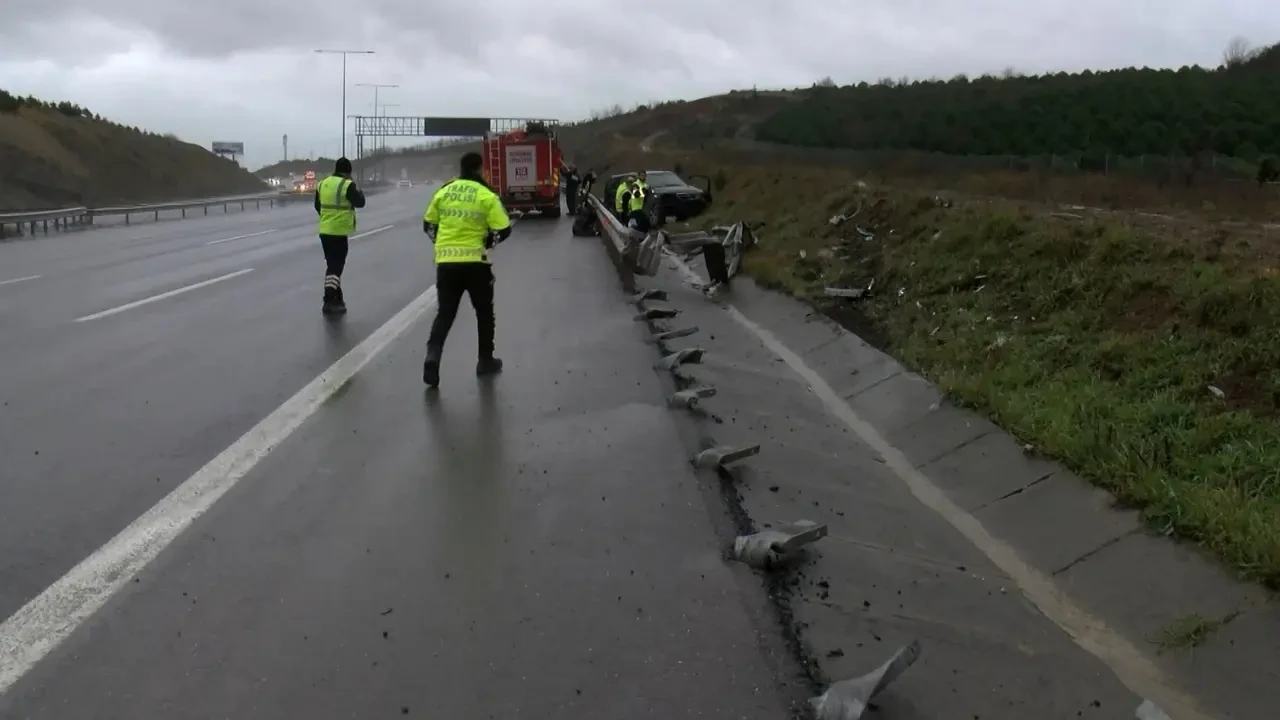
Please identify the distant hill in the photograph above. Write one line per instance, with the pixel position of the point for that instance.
(59, 155)
(1232, 110)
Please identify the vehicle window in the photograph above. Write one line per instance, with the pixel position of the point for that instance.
(662, 178)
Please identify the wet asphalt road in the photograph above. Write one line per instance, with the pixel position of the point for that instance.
(530, 546)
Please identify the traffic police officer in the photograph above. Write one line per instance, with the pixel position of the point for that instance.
(466, 219)
(337, 198)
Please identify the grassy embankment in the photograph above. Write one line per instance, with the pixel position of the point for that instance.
(59, 155)
(1141, 353)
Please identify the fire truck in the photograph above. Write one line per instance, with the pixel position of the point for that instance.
(523, 167)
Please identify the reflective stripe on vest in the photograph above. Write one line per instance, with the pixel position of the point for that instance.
(463, 223)
(337, 216)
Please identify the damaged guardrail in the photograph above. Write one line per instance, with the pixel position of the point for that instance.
(635, 253)
(74, 216)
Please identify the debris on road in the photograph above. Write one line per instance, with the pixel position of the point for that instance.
(650, 294)
(774, 547)
(688, 399)
(680, 357)
(656, 314)
(849, 699)
(719, 456)
(673, 334)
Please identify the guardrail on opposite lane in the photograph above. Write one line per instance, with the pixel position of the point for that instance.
(74, 216)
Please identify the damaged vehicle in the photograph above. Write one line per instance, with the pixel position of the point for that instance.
(673, 196)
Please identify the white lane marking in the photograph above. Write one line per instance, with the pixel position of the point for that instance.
(1129, 664)
(21, 279)
(241, 237)
(39, 626)
(162, 296)
(375, 231)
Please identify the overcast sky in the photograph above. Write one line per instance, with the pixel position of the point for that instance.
(244, 70)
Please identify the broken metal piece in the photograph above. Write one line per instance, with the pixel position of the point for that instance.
(848, 699)
(688, 399)
(853, 293)
(673, 334)
(714, 457)
(776, 546)
(1150, 711)
(680, 357)
(650, 294)
(656, 314)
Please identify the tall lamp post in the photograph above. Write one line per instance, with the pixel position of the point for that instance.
(344, 54)
(376, 87)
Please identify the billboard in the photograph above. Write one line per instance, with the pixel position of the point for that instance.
(455, 127)
(229, 148)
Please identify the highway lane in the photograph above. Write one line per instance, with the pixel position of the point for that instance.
(100, 418)
(534, 545)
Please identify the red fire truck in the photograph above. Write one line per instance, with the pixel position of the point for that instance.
(523, 167)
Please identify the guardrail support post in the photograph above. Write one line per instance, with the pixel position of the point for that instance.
(157, 216)
(126, 218)
(184, 213)
(224, 208)
(46, 226)
(241, 206)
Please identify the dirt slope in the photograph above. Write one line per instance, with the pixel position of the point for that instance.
(52, 159)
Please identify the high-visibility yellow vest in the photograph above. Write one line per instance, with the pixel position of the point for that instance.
(337, 216)
(637, 197)
(617, 196)
(464, 212)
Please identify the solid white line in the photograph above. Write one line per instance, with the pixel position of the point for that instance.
(1130, 665)
(162, 296)
(44, 622)
(242, 237)
(371, 232)
(18, 280)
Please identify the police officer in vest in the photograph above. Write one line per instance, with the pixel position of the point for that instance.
(337, 198)
(466, 219)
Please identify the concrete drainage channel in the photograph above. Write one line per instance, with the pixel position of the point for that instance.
(788, 551)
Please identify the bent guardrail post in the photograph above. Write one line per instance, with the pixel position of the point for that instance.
(650, 294)
(662, 337)
(778, 546)
(848, 699)
(656, 314)
(680, 357)
(688, 399)
(719, 456)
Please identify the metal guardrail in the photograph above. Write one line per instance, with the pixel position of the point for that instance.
(75, 216)
(620, 241)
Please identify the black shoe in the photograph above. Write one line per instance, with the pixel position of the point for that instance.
(431, 370)
(333, 308)
(489, 366)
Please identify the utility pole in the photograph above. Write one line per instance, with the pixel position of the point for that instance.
(376, 87)
(344, 54)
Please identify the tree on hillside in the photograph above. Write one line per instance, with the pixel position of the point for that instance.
(1239, 53)
(1088, 116)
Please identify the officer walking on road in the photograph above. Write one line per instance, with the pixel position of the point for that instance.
(337, 198)
(466, 220)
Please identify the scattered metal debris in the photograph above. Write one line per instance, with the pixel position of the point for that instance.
(656, 314)
(1217, 391)
(851, 293)
(650, 294)
(848, 699)
(719, 456)
(673, 334)
(688, 399)
(1150, 711)
(680, 357)
(773, 547)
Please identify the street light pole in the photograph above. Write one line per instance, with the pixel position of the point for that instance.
(376, 87)
(344, 54)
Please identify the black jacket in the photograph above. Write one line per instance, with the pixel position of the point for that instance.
(355, 196)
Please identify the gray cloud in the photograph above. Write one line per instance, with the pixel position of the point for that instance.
(244, 70)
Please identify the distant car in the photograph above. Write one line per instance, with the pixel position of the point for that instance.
(405, 183)
(675, 197)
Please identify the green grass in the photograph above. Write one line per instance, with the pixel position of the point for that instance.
(1190, 632)
(1098, 341)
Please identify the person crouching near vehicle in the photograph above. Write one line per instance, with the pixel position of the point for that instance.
(466, 220)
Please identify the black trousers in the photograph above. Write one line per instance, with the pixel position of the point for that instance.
(571, 197)
(642, 220)
(335, 260)
(453, 280)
